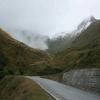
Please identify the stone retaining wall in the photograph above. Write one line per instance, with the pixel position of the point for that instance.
(88, 79)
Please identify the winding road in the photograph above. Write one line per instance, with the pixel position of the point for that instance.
(63, 92)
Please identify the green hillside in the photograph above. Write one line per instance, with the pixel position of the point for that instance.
(84, 51)
(89, 38)
(17, 58)
(20, 88)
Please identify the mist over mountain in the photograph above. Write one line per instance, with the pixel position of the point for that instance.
(65, 40)
(47, 17)
(32, 39)
(56, 43)
(84, 24)
(34, 19)
(83, 51)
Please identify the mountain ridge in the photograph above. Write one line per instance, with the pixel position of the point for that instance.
(83, 51)
(63, 42)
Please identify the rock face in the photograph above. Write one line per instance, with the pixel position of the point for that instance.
(88, 79)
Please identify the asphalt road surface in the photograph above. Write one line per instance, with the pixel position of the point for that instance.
(63, 92)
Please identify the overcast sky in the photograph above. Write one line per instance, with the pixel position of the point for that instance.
(46, 16)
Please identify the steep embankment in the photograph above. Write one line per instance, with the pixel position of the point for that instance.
(20, 88)
(84, 51)
(17, 58)
(89, 38)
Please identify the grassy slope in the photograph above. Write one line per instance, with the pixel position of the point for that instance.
(19, 88)
(17, 58)
(89, 38)
(84, 52)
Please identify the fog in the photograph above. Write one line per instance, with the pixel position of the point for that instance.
(45, 17)
(37, 41)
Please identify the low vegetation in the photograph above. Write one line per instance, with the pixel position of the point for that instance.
(20, 88)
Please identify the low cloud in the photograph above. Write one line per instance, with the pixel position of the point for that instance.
(33, 40)
(46, 17)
